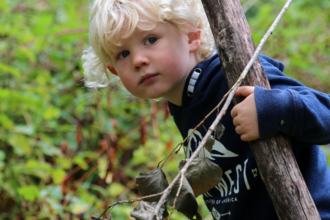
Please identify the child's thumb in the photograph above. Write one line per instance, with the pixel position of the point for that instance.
(244, 91)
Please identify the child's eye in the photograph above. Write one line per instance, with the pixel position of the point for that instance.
(124, 54)
(151, 40)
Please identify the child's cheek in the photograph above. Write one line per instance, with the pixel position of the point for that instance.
(129, 83)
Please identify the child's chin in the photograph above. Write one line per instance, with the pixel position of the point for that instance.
(152, 97)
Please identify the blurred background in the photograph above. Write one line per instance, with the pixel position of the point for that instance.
(67, 152)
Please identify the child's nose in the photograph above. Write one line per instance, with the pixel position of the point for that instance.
(139, 60)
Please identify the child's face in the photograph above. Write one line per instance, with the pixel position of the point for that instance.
(156, 63)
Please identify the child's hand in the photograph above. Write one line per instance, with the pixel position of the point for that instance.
(245, 115)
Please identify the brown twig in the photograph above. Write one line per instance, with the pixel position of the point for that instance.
(128, 201)
(135, 200)
(163, 161)
(94, 217)
(87, 174)
(176, 196)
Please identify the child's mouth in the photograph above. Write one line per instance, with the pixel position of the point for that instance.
(148, 78)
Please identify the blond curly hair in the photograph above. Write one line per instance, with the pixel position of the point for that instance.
(114, 20)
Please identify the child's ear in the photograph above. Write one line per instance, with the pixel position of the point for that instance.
(112, 70)
(194, 40)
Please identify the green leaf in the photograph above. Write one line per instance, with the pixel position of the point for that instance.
(2, 157)
(58, 175)
(52, 113)
(81, 162)
(48, 149)
(6, 122)
(102, 167)
(20, 144)
(8, 69)
(29, 193)
(3, 5)
(115, 189)
(26, 53)
(100, 190)
(64, 163)
(36, 168)
(79, 208)
(24, 129)
(52, 192)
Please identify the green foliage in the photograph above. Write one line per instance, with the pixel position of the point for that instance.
(66, 152)
(301, 40)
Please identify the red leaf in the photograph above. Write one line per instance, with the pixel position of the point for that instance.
(78, 137)
(64, 147)
(155, 126)
(65, 183)
(143, 131)
(79, 134)
(103, 144)
(167, 110)
(112, 154)
(114, 122)
(108, 102)
(169, 146)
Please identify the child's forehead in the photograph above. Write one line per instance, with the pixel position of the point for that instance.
(127, 31)
(139, 34)
(126, 17)
(122, 40)
(143, 30)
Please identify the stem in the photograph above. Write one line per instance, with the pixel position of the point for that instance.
(176, 196)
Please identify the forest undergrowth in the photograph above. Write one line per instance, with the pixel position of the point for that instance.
(67, 152)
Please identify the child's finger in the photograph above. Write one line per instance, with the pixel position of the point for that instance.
(245, 137)
(239, 130)
(236, 121)
(234, 112)
(244, 91)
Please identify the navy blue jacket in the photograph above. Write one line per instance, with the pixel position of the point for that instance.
(289, 107)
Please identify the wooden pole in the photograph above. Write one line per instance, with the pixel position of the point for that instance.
(276, 162)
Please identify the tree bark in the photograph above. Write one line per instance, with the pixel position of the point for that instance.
(276, 162)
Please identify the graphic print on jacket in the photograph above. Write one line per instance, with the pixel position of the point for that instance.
(233, 182)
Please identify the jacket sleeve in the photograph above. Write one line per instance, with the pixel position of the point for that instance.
(291, 108)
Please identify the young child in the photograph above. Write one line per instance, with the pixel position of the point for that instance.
(163, 48)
